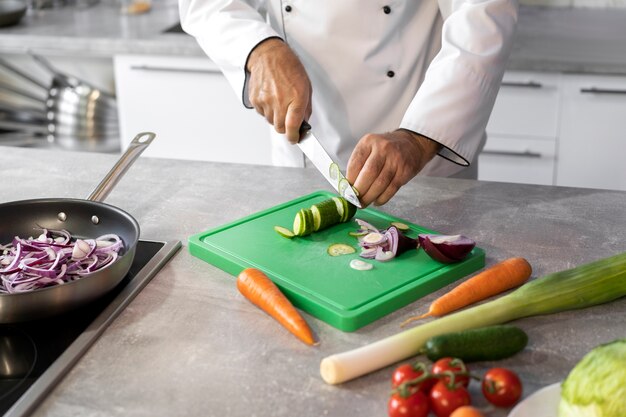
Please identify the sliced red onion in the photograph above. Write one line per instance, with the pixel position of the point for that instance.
(392, 238)
(373, 239)
(33, 263)
(384, 255)
(81, 249)
(368, 253)
(446, 249)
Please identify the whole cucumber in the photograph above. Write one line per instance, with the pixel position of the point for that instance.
(482, 344)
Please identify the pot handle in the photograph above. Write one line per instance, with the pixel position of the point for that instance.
(135, 148)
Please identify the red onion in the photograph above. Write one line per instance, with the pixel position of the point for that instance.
(384, 245)
(52, 258)
(446, 249)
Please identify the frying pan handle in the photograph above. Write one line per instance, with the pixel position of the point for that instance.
(136, 147)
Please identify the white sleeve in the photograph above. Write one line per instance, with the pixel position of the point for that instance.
(227, 31)
(454, 102)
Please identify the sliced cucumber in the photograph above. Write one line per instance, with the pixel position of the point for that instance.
(358, 233)
(351, 210)
(303, 222)
(343, 185)
(400, 226)
(284, 232)
(334, 171)
(341, 207)
(338, 249)
(325, 214)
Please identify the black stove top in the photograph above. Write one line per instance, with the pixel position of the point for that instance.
(35, 355)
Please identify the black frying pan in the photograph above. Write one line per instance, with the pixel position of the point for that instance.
(82, 218)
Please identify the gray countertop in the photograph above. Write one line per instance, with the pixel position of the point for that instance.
(190, 345)
(548, 39)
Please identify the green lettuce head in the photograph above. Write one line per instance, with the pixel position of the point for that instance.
(596, 387)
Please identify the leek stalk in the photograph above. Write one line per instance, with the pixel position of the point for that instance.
(594, 283)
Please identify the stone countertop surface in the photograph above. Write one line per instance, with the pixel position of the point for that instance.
(548, 39)
(190, 345)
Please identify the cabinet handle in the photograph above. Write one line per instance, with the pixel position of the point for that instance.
(595, 90)
(171, 69)
(525, 154)
(525, 84)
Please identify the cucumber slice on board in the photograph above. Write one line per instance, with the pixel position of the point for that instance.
(338, 249)
(284, 232)
(400, 226)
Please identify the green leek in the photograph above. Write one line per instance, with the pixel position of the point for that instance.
(594, 283)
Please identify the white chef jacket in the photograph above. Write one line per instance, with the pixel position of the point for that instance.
(430, 66)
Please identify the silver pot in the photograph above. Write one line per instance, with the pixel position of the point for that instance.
(77, 115)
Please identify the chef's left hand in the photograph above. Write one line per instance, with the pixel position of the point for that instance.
(382, 163)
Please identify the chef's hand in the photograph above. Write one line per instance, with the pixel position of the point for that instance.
(279, 87)
(382, 163)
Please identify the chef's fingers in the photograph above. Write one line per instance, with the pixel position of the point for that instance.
(293, 120)
(268, 113)
(373, 177)
(309, 107)
(279, 120)
(355, 164)
(378, 183)
(388, 192)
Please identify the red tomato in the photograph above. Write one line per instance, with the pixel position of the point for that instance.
(455, 365)
(415, 405)
(408, 372)
(502, 387)
(444, 399)
(466, 411)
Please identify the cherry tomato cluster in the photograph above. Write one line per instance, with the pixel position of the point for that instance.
(442, 389)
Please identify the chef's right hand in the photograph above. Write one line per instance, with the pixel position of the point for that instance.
(279, 87)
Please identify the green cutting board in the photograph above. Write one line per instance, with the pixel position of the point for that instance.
(322, 285)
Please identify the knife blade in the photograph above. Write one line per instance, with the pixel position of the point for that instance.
(316, 153)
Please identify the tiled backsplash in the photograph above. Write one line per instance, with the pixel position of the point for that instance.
(576, 3)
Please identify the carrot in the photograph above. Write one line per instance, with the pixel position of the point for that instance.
(262, 292)
(502, 276)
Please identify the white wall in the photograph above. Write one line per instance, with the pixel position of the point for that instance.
(576, 3)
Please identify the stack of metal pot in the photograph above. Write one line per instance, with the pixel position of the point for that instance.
(73, 115)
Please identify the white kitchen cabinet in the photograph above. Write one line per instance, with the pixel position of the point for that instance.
(520, 160)
(527, 106)
(522, 130)
(191, 107)
(592, 139)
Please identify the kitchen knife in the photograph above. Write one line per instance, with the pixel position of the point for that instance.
(314, 150)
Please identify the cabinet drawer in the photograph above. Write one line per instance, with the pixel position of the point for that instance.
(519, 160)
(592, 141)
(191, 107)
(527, 105)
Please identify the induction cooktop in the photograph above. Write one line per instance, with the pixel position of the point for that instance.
(35, 355)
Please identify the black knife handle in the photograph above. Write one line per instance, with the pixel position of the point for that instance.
(304, 127)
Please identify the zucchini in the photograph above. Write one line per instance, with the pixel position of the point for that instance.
(482, 344)
(321, 216)
(325, 214)
(303, 223)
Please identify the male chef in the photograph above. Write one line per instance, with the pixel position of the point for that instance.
(392, 88)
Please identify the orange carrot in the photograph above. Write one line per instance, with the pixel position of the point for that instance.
(262, 292)
(503, 276)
